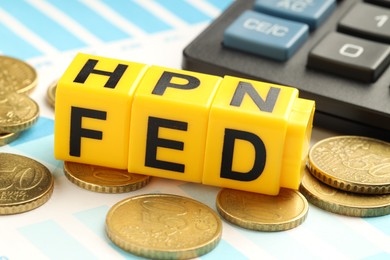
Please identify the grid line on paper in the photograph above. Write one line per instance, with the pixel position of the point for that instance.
(56, 35)
(54, 241)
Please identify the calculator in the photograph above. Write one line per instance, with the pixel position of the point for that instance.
(335, 52)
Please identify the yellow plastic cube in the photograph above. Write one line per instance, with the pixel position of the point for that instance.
(169, 123)
(231, 132)
(297, 143)
(250, 124)
(93, 110)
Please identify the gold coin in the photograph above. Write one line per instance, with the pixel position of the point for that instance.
(343, 202)
(263, 212)
(352, 163)
(103, 179)
(25, 184)
(51, 93)
(16, 76)
(17, 112)
(163, 226)
(6, 138)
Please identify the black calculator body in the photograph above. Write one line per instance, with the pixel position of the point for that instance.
(345, 103)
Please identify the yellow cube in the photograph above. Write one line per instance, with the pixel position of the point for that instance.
(93, 109)
(231, 132)
(169, 123)
(297, 143)
(247, 135)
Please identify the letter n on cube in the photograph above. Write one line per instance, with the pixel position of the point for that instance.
(246, 135)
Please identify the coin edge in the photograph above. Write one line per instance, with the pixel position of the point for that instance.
(29, 88)
(13, 128)
(33, 203)
(341, 184)
(105, 188)
(164, 254)
(252, 225)
(340, 209)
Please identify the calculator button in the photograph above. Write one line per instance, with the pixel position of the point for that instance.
(385, 3)
(265, 35)
(350, 57)
(368, 21)
(310, 12)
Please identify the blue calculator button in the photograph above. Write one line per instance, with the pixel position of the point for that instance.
(265, 35)
(310, 12)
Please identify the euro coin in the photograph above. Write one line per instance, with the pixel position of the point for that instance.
(51, 93)
(163, 226)
(25, 184)
(16, 76)
(17, 112)
(352, 163)
(343, 202)
(263, 212)
(103, 179)
(6, 138)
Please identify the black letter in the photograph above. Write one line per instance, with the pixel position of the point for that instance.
(266, 105)
(89, 68)
(153, 141)
(165, 81)
(76, 131)
(227, 156)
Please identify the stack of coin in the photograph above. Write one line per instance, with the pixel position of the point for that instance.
(25, 184)
(18, 111)
(349, 175)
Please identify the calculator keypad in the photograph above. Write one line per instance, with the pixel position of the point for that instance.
(279, 38)
(367, 21)
(310, 12)
(265, 35)
(276, 29)
(353, 102)
(350, 56)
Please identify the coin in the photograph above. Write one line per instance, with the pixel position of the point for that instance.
(352, 163)
(343, 202)
(6, 138)
(163, 226)
(25, 184)
(51, 93)
(17, 112)
(263, 212)
(103, 179)
(16, 76)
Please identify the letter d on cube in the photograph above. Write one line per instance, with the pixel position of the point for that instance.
(257, 137)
